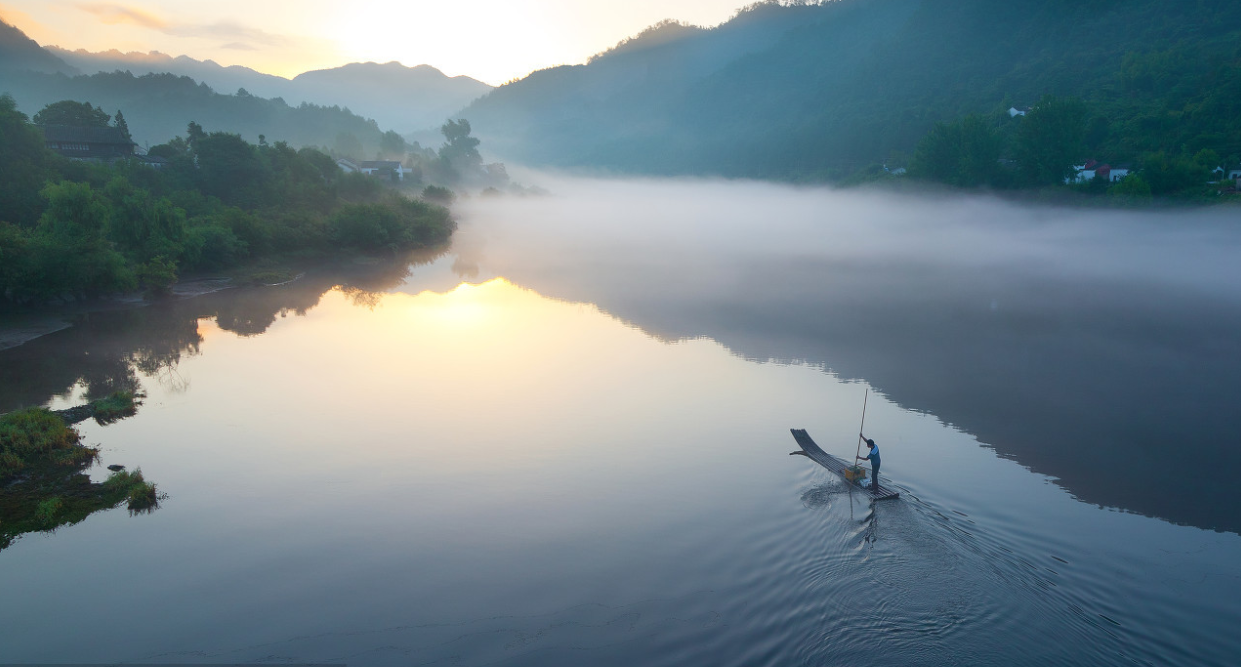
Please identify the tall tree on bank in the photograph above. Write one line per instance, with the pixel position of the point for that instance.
(121, 124)
(964, 153)
(1051, 139)
(460, 149)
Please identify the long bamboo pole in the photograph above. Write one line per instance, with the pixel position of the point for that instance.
(862, 427)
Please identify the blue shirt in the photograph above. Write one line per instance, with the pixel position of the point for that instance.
(873, 455)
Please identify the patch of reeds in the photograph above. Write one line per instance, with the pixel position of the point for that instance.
(116, 406)
(36, 436)
(45, 513)
(140, 494)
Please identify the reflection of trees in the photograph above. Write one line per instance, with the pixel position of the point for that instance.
(108, 351)
(104, 352)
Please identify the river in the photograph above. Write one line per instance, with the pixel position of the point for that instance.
(564, 441)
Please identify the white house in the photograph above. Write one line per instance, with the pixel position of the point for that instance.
(383, 167)
(1013, 112)
(374, 167)
(1117, 173)
(1092, 169)
(1083, 172)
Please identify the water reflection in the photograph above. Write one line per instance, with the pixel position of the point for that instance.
(1095, 347)
(480, 474)
(107, 351)
(111, 351)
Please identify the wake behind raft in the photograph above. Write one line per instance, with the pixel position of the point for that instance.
(812, 451)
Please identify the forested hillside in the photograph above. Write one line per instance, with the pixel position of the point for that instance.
(158, 106)
(820, 91)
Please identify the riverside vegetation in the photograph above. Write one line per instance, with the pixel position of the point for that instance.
(43, 484)
(75, 230)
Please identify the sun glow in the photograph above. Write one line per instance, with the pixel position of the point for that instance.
(490, 40)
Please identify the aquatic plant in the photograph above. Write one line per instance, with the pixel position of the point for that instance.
(45, 513)
(116, 406)
(42, 459)
(37, 436)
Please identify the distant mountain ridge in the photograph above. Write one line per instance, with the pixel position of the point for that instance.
(219, 77)
(809, 91)
(405, 99)
(19, 52)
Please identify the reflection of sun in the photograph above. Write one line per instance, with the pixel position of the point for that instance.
(208, 329)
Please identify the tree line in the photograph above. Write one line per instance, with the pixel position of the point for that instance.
(71, 229)
(1041, 148)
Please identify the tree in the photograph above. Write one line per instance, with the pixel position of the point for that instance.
(194, 132)
(965, 153)
(68, 112)
(122, 125)
(1050, 139)
(229, 168)
(69, 252)
(1167, 174)
(26, 164)
(460, 149)
(392, 144)
(348, 145)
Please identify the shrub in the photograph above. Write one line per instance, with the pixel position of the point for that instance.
(35, 435)
(45, 513)
(437, 194)
(158, 275)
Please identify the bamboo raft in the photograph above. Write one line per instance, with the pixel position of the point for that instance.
(815, 453)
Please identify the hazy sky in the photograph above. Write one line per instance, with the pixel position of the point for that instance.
(491, 40)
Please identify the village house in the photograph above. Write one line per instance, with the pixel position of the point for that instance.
(1092, 169)
(390, 169)
(97, 144)
(384, 169)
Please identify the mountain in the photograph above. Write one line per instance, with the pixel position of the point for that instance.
(397, 97)
(405, 99)
(219, 77)
(19, 52)
(812, 91)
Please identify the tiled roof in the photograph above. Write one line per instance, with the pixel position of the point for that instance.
(86, 135)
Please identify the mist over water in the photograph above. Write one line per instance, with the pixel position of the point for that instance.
(563, 441)
(1096, 346)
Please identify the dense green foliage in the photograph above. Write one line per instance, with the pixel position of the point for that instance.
(964, 153)
(68, 112)
(36, 437)
(806, 91)
(72, 229)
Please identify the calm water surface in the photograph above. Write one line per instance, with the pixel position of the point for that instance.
(564, 441)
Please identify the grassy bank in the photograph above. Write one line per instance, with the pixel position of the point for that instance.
(43, 484)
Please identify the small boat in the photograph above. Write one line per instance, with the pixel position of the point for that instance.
(815, 453)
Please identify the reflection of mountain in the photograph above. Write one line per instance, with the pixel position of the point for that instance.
(1122, 391)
